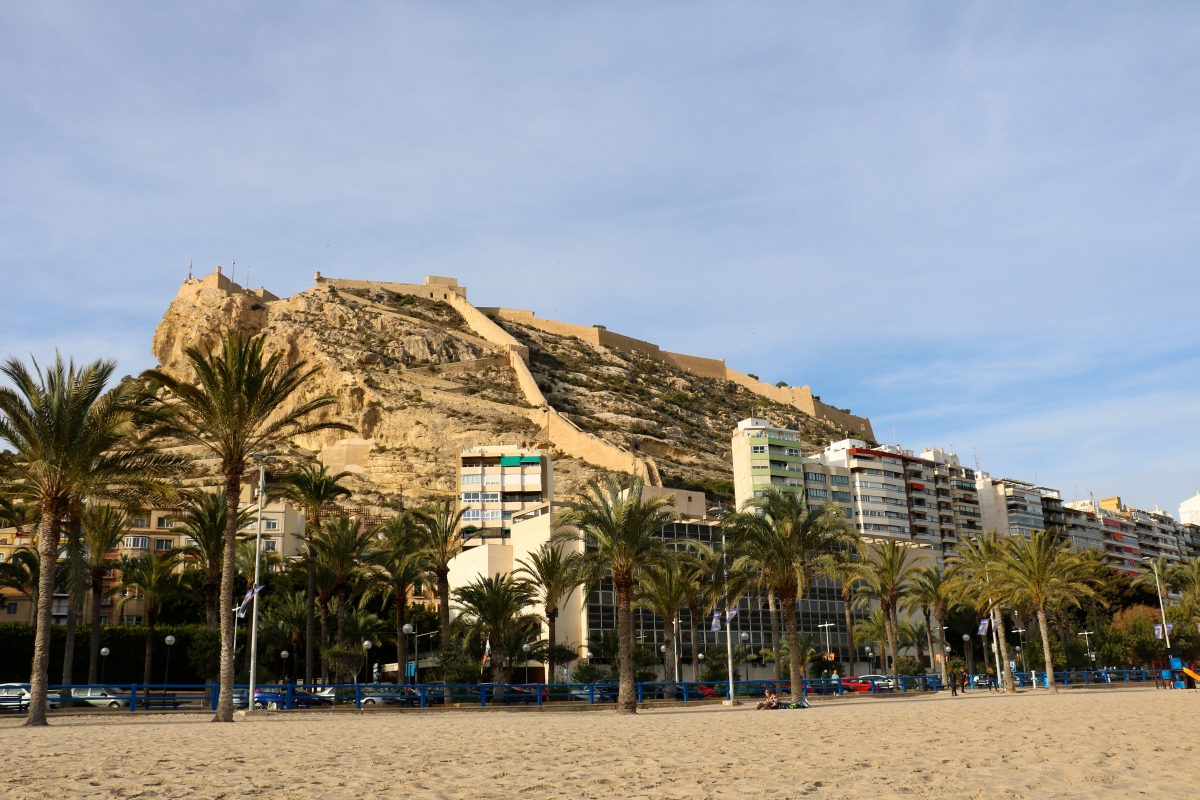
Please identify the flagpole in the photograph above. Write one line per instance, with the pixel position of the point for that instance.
(728, 625)
(262, 484)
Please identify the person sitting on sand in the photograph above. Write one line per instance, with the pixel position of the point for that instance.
(771, 701)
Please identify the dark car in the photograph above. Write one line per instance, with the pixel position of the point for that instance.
(277, 696)
(603, 691)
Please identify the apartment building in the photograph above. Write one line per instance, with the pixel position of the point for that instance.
(1189, 511)
(1122, 550)
(1157, 531)
(1080, 526)
(958, 509)
(501, 481)
(1011, 506)
(765, 455)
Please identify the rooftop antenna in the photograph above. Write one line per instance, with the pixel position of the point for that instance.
(1035, 478)
(975, 450)
(233, 274)
(894, 440)
(247, 279)
(189, 269)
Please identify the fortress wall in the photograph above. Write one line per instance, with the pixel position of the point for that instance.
(568, 437)
(703, 367)
(610, 339)
(533, 394)
(523, 317)
(463, 367)
(428, 291)
(855, 423)
(797, 396)
(478, 322)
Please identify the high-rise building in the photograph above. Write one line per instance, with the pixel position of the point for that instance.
(1189, 510)
(765, 455)
(1009, 506)
(499, 481)
(1157, 531)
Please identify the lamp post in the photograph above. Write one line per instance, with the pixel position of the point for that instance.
(170, 640)
(366, 654)
(104, 651)
(966, 644)
(870, 662)
(525, 649)
(284, 655)
(1161, 607)
(408, 628)
(826, 626)
(262, 460)
(662, 648)
(1087, 638)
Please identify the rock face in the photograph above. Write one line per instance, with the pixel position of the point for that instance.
(417, 385)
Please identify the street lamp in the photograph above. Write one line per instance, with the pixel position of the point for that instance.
(104, 651)
(826, 626)
(870, 663)
(366, 654)
(1162, 608)
(1087, 638)
(262, 460)
(284, 655)
(525, 648)
(408, 628)
(170, 640)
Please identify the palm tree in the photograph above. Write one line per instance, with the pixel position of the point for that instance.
(701, 572)
(917, 636)
(973, 572)
(18, 515)
(930, 592)
(441, 540)
(842, 567)
(659, 589)
(552, 573)
(1154, 577)
(343, 543)
(1185, 577)
(619, 530)
(314, 491)
(76, 582)
(1043, 572)
(284, 617)
(204, 520)
(103, 529)
(151, 578)
(72, 439)
(244, 402)
(886, 574)
(873, 630)
(394, 566)
(23, 573)
(807, 650)
(493, 608)
(778, 533)
(326, 586)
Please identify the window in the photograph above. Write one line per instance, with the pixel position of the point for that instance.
(138, 522)
(270, 524)
(841, 497)
(839, 480)
(137, 542)
(757, 448)
(472, 480)
(792, 451)
(815, 477)
(870, 513)
(818, 494)
(270, 545)
(492, 516)
(470, 497)
(131, 620)
(888, 460)
(11, 608)
(492, 478)
(471, 515)
(165, 522)
(162, 544)
(106, 601)
(490, 497)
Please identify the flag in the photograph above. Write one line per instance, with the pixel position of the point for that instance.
(1158, 630)
(487, 653)
(730, 614)
(716, 623)
(250, 594)
(983, 626)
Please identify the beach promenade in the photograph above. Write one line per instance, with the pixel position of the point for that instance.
(1099, 743)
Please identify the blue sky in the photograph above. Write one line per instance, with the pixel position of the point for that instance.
(976, 223)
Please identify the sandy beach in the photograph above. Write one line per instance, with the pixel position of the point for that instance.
(1117, 743)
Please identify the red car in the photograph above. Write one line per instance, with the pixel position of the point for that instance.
(856, 685)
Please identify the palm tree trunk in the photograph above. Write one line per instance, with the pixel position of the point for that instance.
(147, 669)
(1002, 667)
(773, 611)
(443, 590)
(233, 490)
(341, 612)
(892, 643)
(1045, 628)
(849, 624)
(929, 637)
(212, 588)
(324, 643)
(69, 649)
(310, 613)
(627, 692)
(694, 632)
(551, 620)
(787, 600)
(94, 648)
(940, 618)
(499, 657)
(39, 674)
(398, 601)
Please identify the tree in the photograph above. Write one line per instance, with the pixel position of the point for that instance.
(917, 636)
(842, 567)
(1042, 571)
(930, 592)
(74, 579)
(103, 529)
(659, 589)
(873, 630)
(204, 519)
(973, 573)
(886, 574)
(151, 578)
(284, 618)
(23, 573)
(552, 573)
(1154, 578)
(394, 565)
(244, 401)
(702, 572)
(779, 534)
(314, 491)
(441, 540)
(343, 543)
(72, 438)
(492, 608)
(619, 530)
(1185, 577)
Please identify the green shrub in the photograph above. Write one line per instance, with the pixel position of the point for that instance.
(909, 665)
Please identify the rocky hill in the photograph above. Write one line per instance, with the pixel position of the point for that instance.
(417, 380)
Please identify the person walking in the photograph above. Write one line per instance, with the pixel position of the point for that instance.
(991, 680)
(953, 683)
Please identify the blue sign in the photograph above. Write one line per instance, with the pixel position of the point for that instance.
(983, 626)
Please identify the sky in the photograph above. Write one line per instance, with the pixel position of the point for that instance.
(975, 223)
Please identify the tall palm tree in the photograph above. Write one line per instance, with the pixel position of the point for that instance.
(284, 618)
(244, 401)
(930, 592)
(701, 572)
(619, 530)
(441, 540)
(493, 608)
(885, 577)
(76, 582)
(780, 534)
(394, 565)
(343, 543)
(659, 589)
(103, 529)
(873, 630)
(204, 519)
(314, 491)
(973, 573)
(326, 586)
(23, 573)
(553, 573)
(1043, 571)
(151, 578)
(71, 438)
(917, 636)
(1185, 577)
(842, 567)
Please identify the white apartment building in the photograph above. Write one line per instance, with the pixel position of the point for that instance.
(1010, 506)
(500, 481)
(765, 455)
(1189, 510)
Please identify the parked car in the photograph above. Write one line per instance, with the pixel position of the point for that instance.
(605, 691)
(882, 682)
(856, 684)
(98, 697)
(265, 696)
(382, 694)
(15, 697)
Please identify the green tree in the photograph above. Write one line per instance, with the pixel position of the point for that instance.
(393, 566)
(973, 573)
(491, 609)
(71, 439)
(1185, 577)
(886, 575)
(244, 401)
(1042, 571)
(658, 589)
(930, 592)
(873, 630)
(343, 543)
(619, 530)
(103, 529)
(151, 578)
(204, 518)
(702, 572)
(441, 540)
(553, 573)
(23, 573)
(842, 567)
(315, 492)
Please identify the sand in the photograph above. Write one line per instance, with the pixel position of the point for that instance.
(1079, 744)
